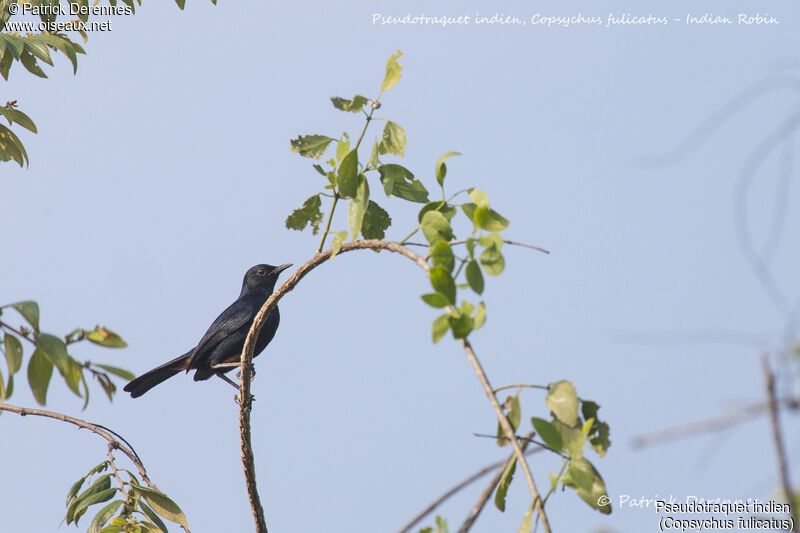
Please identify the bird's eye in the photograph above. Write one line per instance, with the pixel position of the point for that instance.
(261, 271)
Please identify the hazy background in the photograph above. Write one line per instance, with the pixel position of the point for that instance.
(162, 171)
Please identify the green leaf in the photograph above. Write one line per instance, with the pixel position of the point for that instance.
(342, 147)
(441, 525)
(599, 433)
(442, 282)
(153, 516)
(393, 69)
(67, 47)
(18, 117)
(354, 106)
(29, 311)
(98, 497)
(440, 327)
(374, 158)
(311, 145)
(492, 240)
(527, 521)
(29, 62)
(572, 438)
(53, 347)
(40, 370)
(443, 207)
(79, 505)
(548, 433)
(124, 374)
(563, 401)
(394, 138)
(13, 349)
(358, 207)
(436, 299)
(376, 222)
(515, 413)
(441, 168)
(474, 277)
(73, 490)
(492, 261)
(106, 337)
(310, 213)
(11, 147)
(485, 218)
(461, 324)
(436, 227)
(338, 240)
(442, 254)
(480, 316)
(480, 198)
(513, 416)
(104, 515)
(162, 505)
(588, 484)
(399, 181)
(505, 481)
(348, 176)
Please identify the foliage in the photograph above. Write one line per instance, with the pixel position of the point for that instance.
(137, 508)
(573, 423)
(348, 176)
(51, 351)
(20, 43)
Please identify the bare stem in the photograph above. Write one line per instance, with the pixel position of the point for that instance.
(487, 492)
(501, 465)
(508, 430)
(328, 224)
(94, 428)
(780, 450)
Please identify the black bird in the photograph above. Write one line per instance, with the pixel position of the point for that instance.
(220, 349)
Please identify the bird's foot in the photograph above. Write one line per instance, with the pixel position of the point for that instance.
(252, 374)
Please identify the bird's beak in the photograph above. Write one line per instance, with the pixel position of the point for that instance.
(281, 268)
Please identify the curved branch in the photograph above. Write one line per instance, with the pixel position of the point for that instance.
(94, 428)
(245, 398)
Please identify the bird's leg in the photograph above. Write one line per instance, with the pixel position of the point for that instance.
(226, 379)
(235, 385)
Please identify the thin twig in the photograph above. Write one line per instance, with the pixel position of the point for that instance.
(710, 425)
(508, 430)
(754, 259)
(521, 386)
(487, 492)
(724, 113)
(94, 428)
(457, 488)
(780, 451)
(18, 332)
(462, 241)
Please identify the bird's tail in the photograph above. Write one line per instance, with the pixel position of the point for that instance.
(150, 379)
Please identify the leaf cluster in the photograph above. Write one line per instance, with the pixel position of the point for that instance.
(28, 50)
(51, 352)
(573, 425)
(347, 177)
(136, 508)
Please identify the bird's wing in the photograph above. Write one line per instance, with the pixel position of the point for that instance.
(238, 315)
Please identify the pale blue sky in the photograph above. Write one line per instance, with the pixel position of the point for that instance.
(162, 171)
